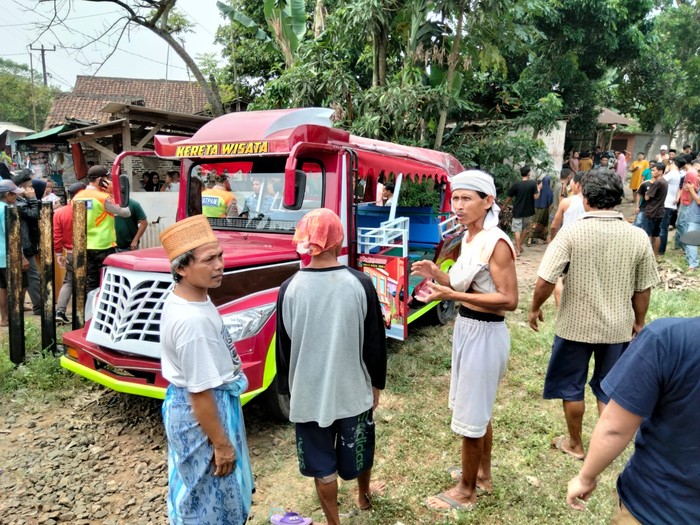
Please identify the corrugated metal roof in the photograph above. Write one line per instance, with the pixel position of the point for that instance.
(45, 134)
(9, 126)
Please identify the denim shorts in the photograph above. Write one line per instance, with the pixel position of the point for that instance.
(568, 368)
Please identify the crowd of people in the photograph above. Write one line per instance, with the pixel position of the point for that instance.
(110, 228)
(664, 191)
(331, 351)
(331, 358)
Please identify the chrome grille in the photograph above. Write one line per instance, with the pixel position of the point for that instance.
(127, 314)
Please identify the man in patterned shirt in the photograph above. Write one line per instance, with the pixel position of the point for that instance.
(609, 269)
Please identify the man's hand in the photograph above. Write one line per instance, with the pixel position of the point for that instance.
(578, 492)
(534, 317)
(424, 268)
(375, 394)
(636, 328)
(61, 260)
(434, 292)
(224, 459)
(133, 245)
(25, 264)
(29, 192)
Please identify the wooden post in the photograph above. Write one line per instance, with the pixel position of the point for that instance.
(48, 298)
(79, 262)
(15, 293)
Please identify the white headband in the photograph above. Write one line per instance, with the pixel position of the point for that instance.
(477, 180)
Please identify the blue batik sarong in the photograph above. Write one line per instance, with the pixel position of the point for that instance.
(195, 495)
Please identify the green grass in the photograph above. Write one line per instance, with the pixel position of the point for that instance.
(415, 445)
(40, 375)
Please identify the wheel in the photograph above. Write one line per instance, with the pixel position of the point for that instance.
(276, 406)
(444, 312)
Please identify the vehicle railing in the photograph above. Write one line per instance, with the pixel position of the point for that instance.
(449, 226)
(389, 234)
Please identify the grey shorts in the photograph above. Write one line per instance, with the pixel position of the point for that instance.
(520, 224)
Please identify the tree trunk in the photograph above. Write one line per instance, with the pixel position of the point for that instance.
(214, 100)
(451, 67)
(319, 18)
(375, 58)
(381, 56)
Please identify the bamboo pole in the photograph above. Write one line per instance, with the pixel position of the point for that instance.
(79, 262)
(15, 292)
(48, 298)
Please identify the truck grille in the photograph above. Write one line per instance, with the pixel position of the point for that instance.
(127, 313)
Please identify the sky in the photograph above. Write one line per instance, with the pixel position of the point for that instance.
(141, 54)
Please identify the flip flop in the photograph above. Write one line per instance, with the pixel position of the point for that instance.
(456, 475)
(290, 518)
(453, 504)
(557, 443)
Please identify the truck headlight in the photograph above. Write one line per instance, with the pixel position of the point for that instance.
(247, 323)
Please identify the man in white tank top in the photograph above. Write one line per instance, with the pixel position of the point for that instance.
(570, 208)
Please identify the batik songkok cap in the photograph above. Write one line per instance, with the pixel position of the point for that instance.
(187, 235)
(477, 180)
(318, 231)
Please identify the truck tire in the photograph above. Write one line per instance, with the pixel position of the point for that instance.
(444, 312)
(275, 405)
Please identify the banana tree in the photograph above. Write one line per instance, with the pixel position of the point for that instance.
(285, 19)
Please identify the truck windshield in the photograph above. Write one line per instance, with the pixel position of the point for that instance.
(246, 194)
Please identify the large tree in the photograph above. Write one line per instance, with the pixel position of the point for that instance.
(158, 16)
(660, 88)
(21, 102)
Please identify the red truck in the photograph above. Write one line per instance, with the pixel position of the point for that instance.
(297, 162)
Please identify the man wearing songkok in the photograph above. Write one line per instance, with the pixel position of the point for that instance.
(609, 269)
(484, 282)
(210, 480)
(331, 359)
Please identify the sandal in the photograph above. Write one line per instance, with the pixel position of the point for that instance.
(290, 518)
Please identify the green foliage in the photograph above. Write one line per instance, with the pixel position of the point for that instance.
(420, 193)
(500, 151)
(660, 87)
(18, 96)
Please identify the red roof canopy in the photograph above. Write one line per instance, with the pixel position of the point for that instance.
(276, 132)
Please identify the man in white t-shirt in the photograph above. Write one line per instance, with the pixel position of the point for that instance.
(673, 178)
(209, 475)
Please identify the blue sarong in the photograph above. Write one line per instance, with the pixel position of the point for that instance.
(195, 495)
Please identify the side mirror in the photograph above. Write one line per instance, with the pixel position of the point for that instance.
(299, 182)
(124, 188)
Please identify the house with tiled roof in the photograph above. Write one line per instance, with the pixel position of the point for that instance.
(91, 94)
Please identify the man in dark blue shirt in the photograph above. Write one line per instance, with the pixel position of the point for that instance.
(653, 388)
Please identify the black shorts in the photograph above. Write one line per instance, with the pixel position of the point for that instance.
(345, 447)
(653, 226)
(3, 279)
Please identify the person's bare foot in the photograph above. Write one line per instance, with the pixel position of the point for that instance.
(451, 499)
(483, 485)
(562, 443)
(376, 488)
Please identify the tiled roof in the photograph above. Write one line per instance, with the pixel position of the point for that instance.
(90, 94)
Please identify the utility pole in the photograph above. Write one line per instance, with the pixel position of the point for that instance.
(31, 69)
(43, 59)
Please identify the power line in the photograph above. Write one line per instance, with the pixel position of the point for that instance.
(69, 19)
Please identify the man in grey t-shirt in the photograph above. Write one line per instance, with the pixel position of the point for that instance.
(331, 360)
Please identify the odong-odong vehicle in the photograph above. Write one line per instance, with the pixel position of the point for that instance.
(298, 162)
